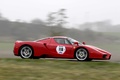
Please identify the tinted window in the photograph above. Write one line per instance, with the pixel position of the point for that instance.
(62, 41)
(67, 41)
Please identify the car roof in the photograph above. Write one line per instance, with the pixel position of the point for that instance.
(52, 37)
(59, 37)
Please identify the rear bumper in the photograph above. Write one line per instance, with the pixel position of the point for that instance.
(16, 50)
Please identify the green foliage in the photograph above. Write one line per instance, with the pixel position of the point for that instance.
(11, 31)
(46, 69)
(57, 18)
(57, 31)
(38, 21)
(53, 33)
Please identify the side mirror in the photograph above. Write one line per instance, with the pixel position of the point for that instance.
(76, 43)
(83, 43)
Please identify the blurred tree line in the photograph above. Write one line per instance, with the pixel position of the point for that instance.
(53, 26)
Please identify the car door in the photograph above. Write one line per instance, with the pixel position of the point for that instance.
(61, 47)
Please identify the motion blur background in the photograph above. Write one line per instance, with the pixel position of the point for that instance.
(97, 22)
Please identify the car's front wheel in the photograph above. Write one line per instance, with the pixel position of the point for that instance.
(81, 54)
(26, 52)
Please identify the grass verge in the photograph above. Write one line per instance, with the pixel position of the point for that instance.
(47, 69)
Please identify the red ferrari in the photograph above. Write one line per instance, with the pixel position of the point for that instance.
(59, 47)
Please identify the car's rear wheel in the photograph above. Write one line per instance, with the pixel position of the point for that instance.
(26, 52)
(82, 54)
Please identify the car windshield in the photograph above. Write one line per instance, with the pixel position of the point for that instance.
(73, 40)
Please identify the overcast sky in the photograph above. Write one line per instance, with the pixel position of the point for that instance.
(78, 11)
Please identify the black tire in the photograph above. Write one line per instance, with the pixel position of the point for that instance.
(26, 52)
(82, 54)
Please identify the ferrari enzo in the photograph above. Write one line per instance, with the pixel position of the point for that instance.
(59, 47)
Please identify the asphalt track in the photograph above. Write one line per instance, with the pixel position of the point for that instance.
(9, 54)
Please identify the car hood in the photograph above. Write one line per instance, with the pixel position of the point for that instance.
(96, 48)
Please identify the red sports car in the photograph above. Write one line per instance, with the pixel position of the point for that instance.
(59, 47)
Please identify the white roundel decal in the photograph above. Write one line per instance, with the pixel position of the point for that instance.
(60, 49)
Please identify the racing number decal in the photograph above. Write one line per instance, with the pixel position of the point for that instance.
(60, 49)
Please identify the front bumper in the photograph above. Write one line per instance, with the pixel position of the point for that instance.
(107, 57)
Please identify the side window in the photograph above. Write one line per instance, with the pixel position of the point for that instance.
(67, 41)
(59, 40)
(62, 41)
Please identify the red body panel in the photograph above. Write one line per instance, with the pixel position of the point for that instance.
(48, 47)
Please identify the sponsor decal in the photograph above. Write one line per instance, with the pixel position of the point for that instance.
(60, 49)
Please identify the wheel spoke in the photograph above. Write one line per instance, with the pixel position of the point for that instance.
(26, 52)
(81, 54)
